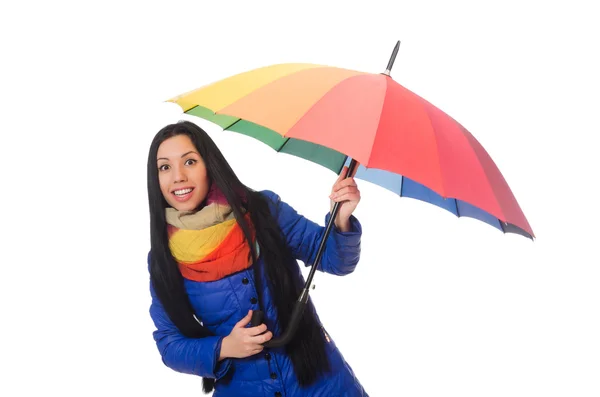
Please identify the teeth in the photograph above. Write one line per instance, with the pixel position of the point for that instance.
(182, 192)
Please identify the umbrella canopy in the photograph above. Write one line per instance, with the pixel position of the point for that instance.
(333, 116)
(329, 115)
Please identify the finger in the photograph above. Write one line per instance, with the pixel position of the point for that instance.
(256, 350)
(347, 197)
(244, 321)
(345, 170)
(344, 190)
(260, 339)
(268, 336)
(344, 183)
(347, 188)
(342, 174)
(253, 331)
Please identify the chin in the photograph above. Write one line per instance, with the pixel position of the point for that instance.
(185, 206)
(191, 205)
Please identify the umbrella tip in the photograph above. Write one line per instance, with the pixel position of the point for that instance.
(388, 70)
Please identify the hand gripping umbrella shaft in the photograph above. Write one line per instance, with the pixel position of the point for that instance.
(258, 315)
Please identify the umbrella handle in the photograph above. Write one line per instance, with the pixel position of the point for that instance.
(258, 315)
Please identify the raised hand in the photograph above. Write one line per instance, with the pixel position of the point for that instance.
(345, 191)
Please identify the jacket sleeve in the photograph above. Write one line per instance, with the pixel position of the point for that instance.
(303, 236)
(197, 356)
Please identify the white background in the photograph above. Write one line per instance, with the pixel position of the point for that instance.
(438, 306)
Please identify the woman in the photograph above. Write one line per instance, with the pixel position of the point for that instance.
(219, 251)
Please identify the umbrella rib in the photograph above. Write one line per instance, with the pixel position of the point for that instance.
(232, 124)
(437, 147)
(323, 96)
(456, 205)
(401, 184)
(378, 124)
(483, 170)
(283, 144)
(502, 226)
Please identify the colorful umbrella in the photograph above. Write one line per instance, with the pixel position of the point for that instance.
(334, 116)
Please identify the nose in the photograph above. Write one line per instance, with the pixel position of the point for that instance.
(179, 175)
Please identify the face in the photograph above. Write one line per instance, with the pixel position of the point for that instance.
(181, 173)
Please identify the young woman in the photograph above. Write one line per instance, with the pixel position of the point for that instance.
(219, 251)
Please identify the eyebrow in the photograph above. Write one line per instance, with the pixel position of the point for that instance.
(182, 156)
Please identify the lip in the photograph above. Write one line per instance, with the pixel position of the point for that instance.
(185, 197)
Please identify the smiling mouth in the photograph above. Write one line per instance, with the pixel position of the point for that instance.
(182, 192)
(182, 195)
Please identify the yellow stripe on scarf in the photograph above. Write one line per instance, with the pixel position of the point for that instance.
(194, 245)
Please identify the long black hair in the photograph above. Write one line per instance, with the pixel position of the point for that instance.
(307, 349)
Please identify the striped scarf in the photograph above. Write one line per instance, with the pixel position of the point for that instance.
(208, 244)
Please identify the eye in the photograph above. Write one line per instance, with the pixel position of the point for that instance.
(163, 167)
(190, 161)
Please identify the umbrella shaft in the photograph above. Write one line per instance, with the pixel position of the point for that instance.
(313, 269)
(258, 315)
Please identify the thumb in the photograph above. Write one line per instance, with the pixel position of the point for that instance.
(340, 177)
(244, 321)
(342, 174)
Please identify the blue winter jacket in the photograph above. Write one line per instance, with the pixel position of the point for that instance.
(221, 304)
